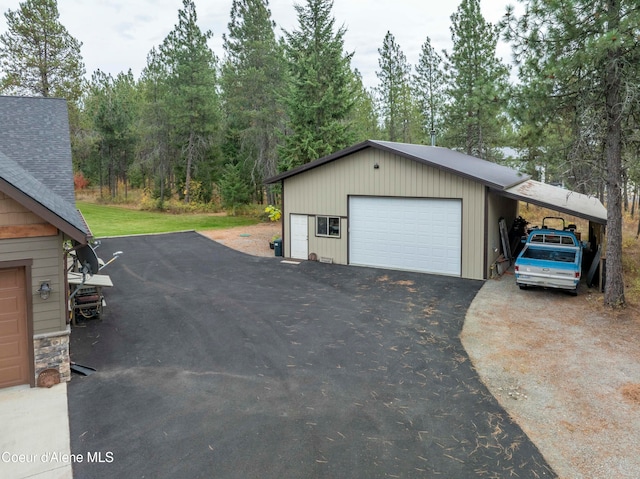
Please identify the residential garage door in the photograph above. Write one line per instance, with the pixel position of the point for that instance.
(14, 351)
(415, 234)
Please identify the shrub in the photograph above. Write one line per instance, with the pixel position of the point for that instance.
(79, 181)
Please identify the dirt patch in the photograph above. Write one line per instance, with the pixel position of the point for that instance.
(631, 392)
(253, 239)
(566, 370)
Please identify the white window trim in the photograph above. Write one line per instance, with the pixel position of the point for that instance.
(328, 218)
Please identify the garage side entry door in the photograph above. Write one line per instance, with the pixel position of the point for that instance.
(299, 236)
(414, 234)
(14, 350)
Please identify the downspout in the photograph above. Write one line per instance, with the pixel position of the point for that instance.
(284, 244)
(486, 234)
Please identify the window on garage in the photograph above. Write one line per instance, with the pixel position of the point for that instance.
(328, 226)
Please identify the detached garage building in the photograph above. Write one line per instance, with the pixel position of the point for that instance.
(403, 206)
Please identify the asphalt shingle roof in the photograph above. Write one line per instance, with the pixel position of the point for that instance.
(19, 178)
(35, 153)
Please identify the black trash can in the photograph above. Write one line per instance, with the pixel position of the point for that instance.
(277, 247)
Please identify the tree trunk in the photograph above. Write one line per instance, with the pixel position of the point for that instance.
(625, 192)
(187, 181)
(614, 288)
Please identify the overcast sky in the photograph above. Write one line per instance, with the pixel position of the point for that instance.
(118, 34)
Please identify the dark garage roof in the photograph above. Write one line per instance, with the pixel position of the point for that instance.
(502, 180)
(491, 174)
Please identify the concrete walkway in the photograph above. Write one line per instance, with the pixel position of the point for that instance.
(34, 433)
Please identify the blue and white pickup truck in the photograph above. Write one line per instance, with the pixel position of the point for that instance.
(550, 259)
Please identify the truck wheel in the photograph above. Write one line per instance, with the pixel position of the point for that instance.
(522, 286)
(574, 292)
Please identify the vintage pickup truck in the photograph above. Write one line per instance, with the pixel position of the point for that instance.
(551, 259)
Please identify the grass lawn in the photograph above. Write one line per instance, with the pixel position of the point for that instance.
(117, 221)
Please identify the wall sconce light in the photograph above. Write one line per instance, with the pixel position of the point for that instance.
(376, 166)
(45, 290)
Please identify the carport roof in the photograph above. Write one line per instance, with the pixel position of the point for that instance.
(486, 172)
(558, 199)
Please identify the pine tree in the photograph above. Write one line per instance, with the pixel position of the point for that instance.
(394, 91)
(320, 96)
(155, 151)
(477, 84)
(112, 104)
(581, 59)
(393, 77)
(363, 117)
(192, 99)
(429, 84)
(38, 55)
(233, 190)
(253, 82)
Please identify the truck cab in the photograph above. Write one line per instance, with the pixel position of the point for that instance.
(550, 258)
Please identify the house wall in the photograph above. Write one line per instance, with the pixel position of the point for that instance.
(50, 330)
(324, 191)
(13, 213)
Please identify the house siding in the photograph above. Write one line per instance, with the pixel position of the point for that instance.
(13, 213)
(325, 190)
(47, 256)
(48, 317)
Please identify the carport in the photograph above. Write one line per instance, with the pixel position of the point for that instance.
(569, 202)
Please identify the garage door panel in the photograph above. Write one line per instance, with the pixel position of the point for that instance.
(406, 233)
(14, 347)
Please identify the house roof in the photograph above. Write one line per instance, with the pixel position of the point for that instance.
(491, 174)
(35, 160)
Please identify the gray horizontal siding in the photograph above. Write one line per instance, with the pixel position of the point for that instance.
(47, 256)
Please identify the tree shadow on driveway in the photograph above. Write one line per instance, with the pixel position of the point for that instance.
(212, 363)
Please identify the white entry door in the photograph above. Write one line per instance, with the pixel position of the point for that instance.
(299, 236)
(415, 234)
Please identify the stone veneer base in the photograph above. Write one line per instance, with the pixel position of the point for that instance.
(51, 350)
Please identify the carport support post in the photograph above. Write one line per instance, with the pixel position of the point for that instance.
(599, 234)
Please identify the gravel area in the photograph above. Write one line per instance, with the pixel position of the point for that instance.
(253, 240)
(566, 370)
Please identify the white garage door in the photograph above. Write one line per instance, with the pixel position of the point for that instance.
(413, 234)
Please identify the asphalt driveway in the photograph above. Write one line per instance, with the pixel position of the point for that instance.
(215, 364)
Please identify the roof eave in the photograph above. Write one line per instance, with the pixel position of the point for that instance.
(43, 212)
(554, 207)
(319, 162)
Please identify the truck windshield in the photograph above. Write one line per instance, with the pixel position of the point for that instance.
(550, 255)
